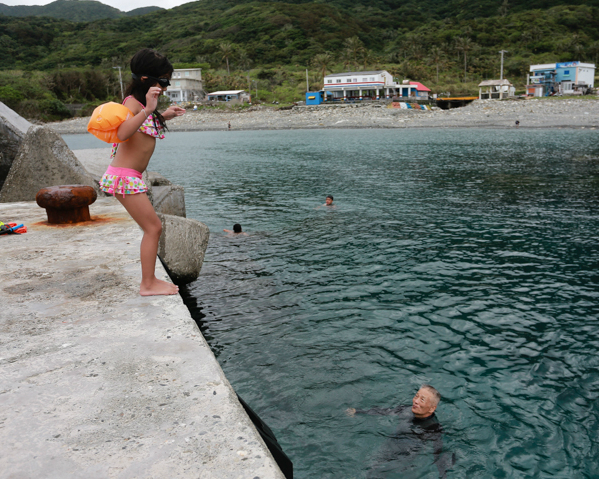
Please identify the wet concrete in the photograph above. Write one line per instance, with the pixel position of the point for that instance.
(99, 382)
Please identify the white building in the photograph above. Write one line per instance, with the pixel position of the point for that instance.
(372, 85)
(567, 78)
(186, 85)
(229, 95)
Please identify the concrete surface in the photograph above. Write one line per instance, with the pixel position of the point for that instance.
(44, 159)
(99, 382)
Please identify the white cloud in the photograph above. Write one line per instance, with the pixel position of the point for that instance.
(130, 5)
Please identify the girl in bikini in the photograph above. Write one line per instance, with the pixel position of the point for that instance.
(151, 73)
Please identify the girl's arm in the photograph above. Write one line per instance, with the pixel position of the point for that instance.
(130, 126)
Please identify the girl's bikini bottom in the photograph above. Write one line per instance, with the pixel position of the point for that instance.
(124, 181)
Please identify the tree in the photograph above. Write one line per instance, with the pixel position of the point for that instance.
(226, 50)
(354, 47)
(243, 60)
(322, 62)
(464, 45)
(367, 58)
(436, 56)
(594, 51)
(576, 45)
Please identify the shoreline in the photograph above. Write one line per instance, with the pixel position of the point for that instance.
(484, 114)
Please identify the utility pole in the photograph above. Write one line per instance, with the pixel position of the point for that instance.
(120, 81)
(501, 74)
(249, 86)
(307, 85)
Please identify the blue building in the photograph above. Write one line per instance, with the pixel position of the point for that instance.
(567, 78)
(315, 97)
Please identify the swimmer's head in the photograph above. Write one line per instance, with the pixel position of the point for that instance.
(425, 401)
(328, 200)
(236, 228)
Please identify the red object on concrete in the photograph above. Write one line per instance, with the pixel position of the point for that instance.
(66, 204)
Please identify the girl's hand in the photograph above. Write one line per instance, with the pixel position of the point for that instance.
(172, 112)
(152, 98)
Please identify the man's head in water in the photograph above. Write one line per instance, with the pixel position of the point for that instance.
(425, 402)
(236, 228)
(329, 200)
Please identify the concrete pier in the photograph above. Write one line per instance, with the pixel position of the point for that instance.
(97, 381)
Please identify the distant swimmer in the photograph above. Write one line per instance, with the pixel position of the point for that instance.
(236, 230)
(417, 427)
(328, 202)
(517, 123)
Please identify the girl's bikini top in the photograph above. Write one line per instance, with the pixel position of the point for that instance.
(150, 126)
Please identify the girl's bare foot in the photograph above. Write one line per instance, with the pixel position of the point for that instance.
(158, 287)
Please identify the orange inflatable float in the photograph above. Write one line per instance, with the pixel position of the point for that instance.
(106, 119)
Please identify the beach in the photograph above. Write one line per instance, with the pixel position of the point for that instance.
(532, 113)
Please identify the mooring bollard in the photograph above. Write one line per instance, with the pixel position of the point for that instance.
(66, 204)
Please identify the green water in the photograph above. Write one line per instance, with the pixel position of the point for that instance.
(465, 259)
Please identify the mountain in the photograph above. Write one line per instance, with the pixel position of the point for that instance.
(73, 10)
(293, 32)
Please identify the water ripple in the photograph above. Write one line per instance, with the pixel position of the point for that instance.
(467, 259)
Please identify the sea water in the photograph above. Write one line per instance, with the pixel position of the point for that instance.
(466, 259)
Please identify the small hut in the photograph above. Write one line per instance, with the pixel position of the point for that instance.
(495, 90)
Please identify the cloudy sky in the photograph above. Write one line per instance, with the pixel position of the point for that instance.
(124, 6)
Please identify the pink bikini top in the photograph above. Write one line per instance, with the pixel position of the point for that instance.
(148, 127)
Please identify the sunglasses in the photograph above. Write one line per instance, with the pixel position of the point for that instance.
(163, 82)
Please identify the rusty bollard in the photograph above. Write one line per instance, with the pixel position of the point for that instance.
(66, 204)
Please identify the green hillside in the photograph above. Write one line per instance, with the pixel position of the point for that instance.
(444, 45)
(272, 33)
(74, 10)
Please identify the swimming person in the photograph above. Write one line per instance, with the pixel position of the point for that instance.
(418, 426)
(151, 73)
(327, 202)
(236, 230)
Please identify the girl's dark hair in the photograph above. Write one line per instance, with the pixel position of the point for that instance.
(236, 228)
(147, 62)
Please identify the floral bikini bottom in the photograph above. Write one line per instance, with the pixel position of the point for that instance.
(122, 181)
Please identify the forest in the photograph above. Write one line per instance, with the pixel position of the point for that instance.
(48, 63)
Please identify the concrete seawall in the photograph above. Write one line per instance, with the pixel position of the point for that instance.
(99, 382)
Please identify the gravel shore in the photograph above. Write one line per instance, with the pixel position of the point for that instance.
(533, 113)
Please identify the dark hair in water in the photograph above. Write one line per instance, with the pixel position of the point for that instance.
(330, 196)
(147, 62)
(236, 228)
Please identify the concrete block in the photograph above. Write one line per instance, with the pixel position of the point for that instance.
(13, 129)
(95, 161)
(146, 179)
(169, 200)
(158, 180)
(43, 160)
(182, 246)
